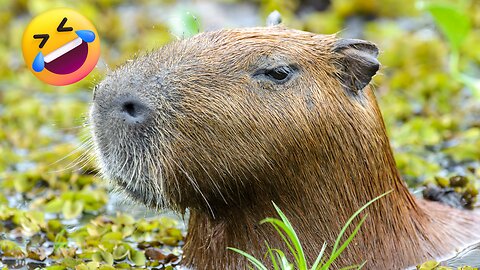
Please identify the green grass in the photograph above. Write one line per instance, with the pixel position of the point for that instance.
(284, 228)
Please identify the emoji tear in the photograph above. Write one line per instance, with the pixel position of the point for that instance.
(38, 62)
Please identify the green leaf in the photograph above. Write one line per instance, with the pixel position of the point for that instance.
(125, 219)
(112, 236)
(55, 267)
(60, 240)
(286, 226)
(335, 255)
(350, 220)
(72, 209)
(137, 257)
(81, 267)
(106, 267)
(3, 200)
(279, 226)
(93, 265)
(54, 206)
(453, 22)
(317, 262)
(302, 261)
(120, 252)
(102, 256)
(11, 249)
(54, 226)
(429, 265)
(250, 258)
(70, 262)
(272, 257)
(285, 265)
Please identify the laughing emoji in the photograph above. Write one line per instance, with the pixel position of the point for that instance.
(60, 46)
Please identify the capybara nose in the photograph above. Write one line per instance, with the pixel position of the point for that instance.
(133, 111)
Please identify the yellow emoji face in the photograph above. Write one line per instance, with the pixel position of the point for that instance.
(60, 46)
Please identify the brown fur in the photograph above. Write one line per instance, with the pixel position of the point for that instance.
(226, 145)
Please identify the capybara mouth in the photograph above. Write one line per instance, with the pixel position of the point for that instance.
(131, 173)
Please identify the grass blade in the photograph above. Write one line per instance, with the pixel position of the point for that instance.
(302, 262)
(334, 256)
(362, 265)
(287, 227)
(350, 220)
(250, 258)
(317, 262)
(272, 257)
(278, 224)
(286, 231)
(285, 264)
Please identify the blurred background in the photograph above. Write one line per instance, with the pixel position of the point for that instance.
(56, 212)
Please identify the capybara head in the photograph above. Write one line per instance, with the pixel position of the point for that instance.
(210, 121)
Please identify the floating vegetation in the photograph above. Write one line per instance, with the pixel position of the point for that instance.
(458, 191)
(115, 241)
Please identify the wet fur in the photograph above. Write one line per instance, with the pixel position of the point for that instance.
(225, 145)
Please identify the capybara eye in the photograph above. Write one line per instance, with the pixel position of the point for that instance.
(278, 75)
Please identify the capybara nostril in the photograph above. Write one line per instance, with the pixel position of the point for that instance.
(133, 111)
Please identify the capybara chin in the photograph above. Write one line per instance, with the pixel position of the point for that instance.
(226, 122)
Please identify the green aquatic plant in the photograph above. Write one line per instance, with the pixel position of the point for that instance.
(434, 265)
(455, 24)
(279, 259)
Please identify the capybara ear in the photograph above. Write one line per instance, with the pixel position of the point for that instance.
(358, 62)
